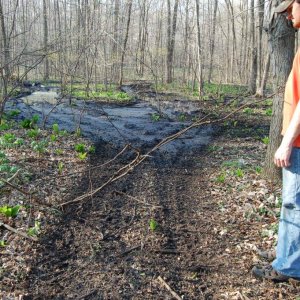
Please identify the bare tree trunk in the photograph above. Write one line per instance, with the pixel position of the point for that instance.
(199, 51)
(115, 47)
(261, 90)
(212, 40)
(46, 71)
(171, 39)
(261, 8)
(129, 3)
(253, 70)
(233, 48)
(281, 42)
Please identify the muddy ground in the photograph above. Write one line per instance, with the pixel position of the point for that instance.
(183, 225)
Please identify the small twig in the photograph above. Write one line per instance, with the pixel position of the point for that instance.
(15, 186)
(18, 232)
(130, 250)
(137, 200)
(14, 176)
(51, 110)
(86, 295)
(175, 295)
(168, 251)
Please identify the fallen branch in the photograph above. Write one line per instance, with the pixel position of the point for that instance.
(30, 194)
(140, 158)
(175, 295)
(19, 232)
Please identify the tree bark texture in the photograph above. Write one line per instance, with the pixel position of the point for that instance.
(281, 43)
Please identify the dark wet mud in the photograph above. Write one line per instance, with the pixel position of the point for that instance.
(142, 123)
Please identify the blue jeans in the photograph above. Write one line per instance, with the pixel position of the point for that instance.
(287, 260)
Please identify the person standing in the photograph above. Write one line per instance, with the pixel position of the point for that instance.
(286, 264)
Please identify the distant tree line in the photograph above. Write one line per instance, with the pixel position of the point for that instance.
(186, 41)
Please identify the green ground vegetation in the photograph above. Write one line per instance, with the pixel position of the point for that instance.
(97, 92)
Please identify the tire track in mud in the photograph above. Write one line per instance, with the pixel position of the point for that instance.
(104, 249)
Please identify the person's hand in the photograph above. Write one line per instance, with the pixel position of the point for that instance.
(282, 156)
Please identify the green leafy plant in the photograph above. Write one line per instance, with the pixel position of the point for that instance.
(265, 140)
(10, 211)
(92, 149)
(155, 117)
(26, 123)
(82, 156)
(53, 138)
(39, 147)
(59, 151)
(248, 111)
(80, 148)
(4, 125)
(35, 119)
(153, 224)
(2, 243)
(221, 177)
(55, 128)
(30, 123)
(35, 230)
(269, 111)
(60, 167)
(258, 169)
(78, 132)
(33, 133)
(239, 173)
(182, 117)
(9, 137)
(9, 140)
(14, 113)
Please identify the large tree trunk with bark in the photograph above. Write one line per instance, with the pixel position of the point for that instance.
(281, 43)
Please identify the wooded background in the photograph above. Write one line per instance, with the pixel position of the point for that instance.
(182, 41)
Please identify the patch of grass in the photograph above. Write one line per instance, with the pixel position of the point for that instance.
(80, 91)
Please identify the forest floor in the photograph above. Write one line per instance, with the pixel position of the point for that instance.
(185, 227)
